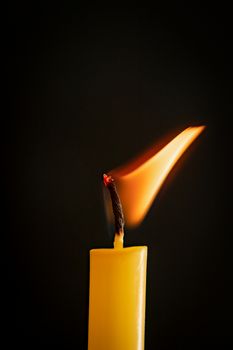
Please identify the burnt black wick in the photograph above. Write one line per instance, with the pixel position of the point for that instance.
(116, 203)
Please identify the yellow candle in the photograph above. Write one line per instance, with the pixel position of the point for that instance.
(117, 298)
(118, 275)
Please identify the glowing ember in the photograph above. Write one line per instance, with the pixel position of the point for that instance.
(107, 180)
(138, 186)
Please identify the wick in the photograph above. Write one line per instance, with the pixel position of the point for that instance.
(117, 210)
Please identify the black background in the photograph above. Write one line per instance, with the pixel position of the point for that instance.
(90, 88)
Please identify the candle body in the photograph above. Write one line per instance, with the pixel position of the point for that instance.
(117, 298)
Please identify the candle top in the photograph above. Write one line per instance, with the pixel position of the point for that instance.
(109, 251)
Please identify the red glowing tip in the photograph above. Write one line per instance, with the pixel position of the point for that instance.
(107, 179)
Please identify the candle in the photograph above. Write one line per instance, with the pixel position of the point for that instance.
(117, 290)
(118, 275)
(117, 298)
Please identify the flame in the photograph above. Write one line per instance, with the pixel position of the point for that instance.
(139, 183)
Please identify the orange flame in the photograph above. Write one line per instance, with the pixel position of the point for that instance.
(138, 185)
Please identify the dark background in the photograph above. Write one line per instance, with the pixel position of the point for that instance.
(90, 88)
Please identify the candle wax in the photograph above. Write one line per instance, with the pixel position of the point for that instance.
(117, 298)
